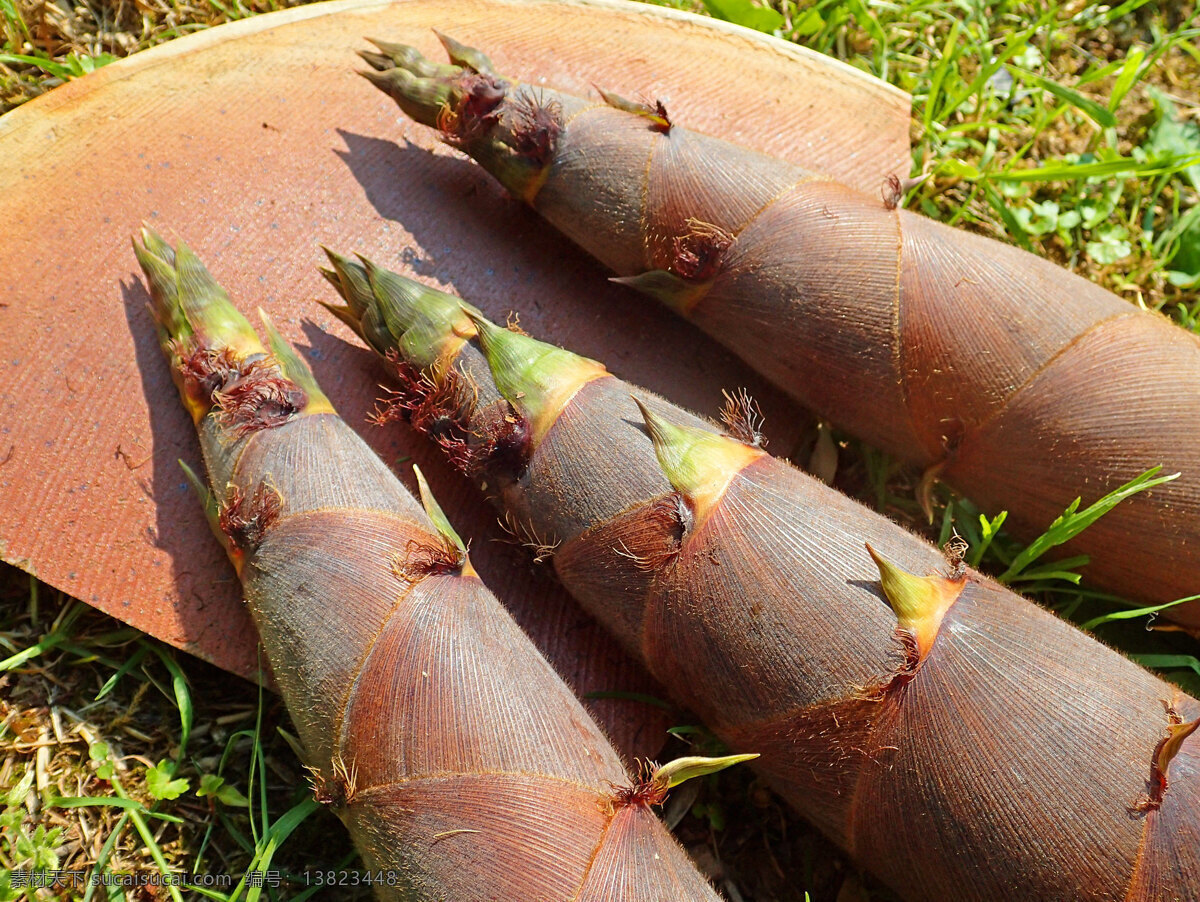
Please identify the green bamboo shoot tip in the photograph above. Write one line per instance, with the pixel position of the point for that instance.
(920, 602)
(157, 260)
(422, 99)
(435, 513)
(405, 56)
(537, 378)
(391, 312)
(188, 302)
(350, 279)
(462, 55)
(698, 463)
(670, 775)
(667, 288)
(345, 314)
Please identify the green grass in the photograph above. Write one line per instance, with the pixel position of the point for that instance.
(43, 44)
(121, 756)
(1066, 128)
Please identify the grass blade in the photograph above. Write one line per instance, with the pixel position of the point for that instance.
(1074, 521)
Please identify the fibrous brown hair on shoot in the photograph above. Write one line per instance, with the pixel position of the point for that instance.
(437, 403)
(513, 323)
(500, 443)
(696, 254)
(340, 788)
(424, 558)
(909, 664)
(525, 535)
(671, 515)
(743, 418)
(205, 370)
(956, 555)
(441, 404)
(535, 125)
(476, 110)
(245, 518)
(260, 398)
(646, 790)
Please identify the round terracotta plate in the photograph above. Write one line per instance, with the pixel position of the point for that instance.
(256, 141)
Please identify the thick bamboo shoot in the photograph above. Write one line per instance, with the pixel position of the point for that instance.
(1021, 384)
(957, 740)
(463, 766)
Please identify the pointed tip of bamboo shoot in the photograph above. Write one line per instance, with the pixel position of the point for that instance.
(680, 770)
(655, 781)
(391, 312)
(380, 79)
(345, 315)
(537, 378)
(919, 602)
(1177, 733)
(441, 522)
(667, 288)
(190, 307)
(698, 463)
(467, 57)
(435, 513)
(390, 49)
(349, 279)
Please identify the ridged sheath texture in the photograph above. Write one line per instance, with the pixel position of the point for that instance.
(462, 764)
(954, 738)
(1020, 384)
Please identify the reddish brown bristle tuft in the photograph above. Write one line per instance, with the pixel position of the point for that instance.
(535, 126)
(696, 255)
(904, 672)
(526, 535)
(339, 789)
(430, 557)
(500, 444)
(245, 518)
(438, 404)
(476, 110)
(673, 517)
(743, 418)
(205, 370)
(260, 398)
(644, 791)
